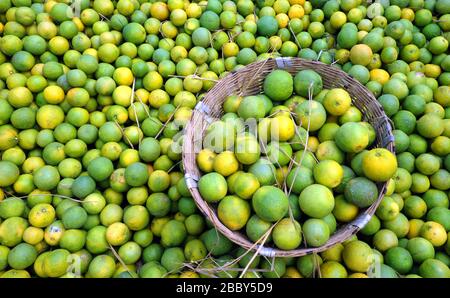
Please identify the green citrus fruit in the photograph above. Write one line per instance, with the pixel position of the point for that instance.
(270, 203)
(316, 201)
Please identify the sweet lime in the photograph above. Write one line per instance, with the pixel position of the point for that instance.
(316, 232)
(287, 234)
(328, 173)
(234, 212)
(270, 203)
(307, 82)
(100, 168)
(379, 164)
(173, 233)
(212, 187)
(245, 185)
(312, 114)
(278, 85)
(433, 268)
(361, 191)
(136, 174)
(357, 256)
(22, 256)
(267, 26)
(337, 101)
(420, 249)
(9, 173)
(316, 201)
(400, 259)
(352, 137)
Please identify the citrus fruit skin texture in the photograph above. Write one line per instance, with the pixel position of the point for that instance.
(267, 26)
(245, 185)
(379, 165)
(270, 203)
(278, 85)
(251, 107)
(256, 228)
(328, 173)
(337, 101)
(9, 173)
(361, 54)
(247, 149)
(233, 212)
(316, 201)
(332, 269)
(307, 82)
(312, 115)
(399, 259)
(316, 232)
(432, 268)
(357, 256)
(287, 234)
(212, 187)
(361, 192)
(352, 137)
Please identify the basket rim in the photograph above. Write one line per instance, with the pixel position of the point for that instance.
(346, 230)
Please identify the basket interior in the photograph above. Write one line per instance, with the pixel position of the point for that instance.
(249, 81)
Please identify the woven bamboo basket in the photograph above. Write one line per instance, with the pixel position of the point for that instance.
(249, 81)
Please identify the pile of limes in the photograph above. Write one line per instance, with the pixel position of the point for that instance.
(266, 164)
(94, 96)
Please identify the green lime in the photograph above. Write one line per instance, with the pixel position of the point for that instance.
(74, 217)
(136, 174)
(73, 240)
(22, 256)
(173, 233)
(83, 186)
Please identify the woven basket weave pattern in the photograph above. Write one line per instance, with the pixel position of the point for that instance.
(249, 81)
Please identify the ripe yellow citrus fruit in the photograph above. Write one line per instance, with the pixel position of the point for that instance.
(33, 235)
(379, 75)
(49, 116)
(283, 19)
(433, 232)
(123, 76)
(407, 13)
(205, 160)
(117, 234)
(225, 163)
(328, 173)
(415, 225)
(41, 215)
(343, 210)
(282, 128)
(379, 164)
(337, 101)
(338, 19)
(296, 11)
(361, 54)
(159, 10)
(54, 94)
